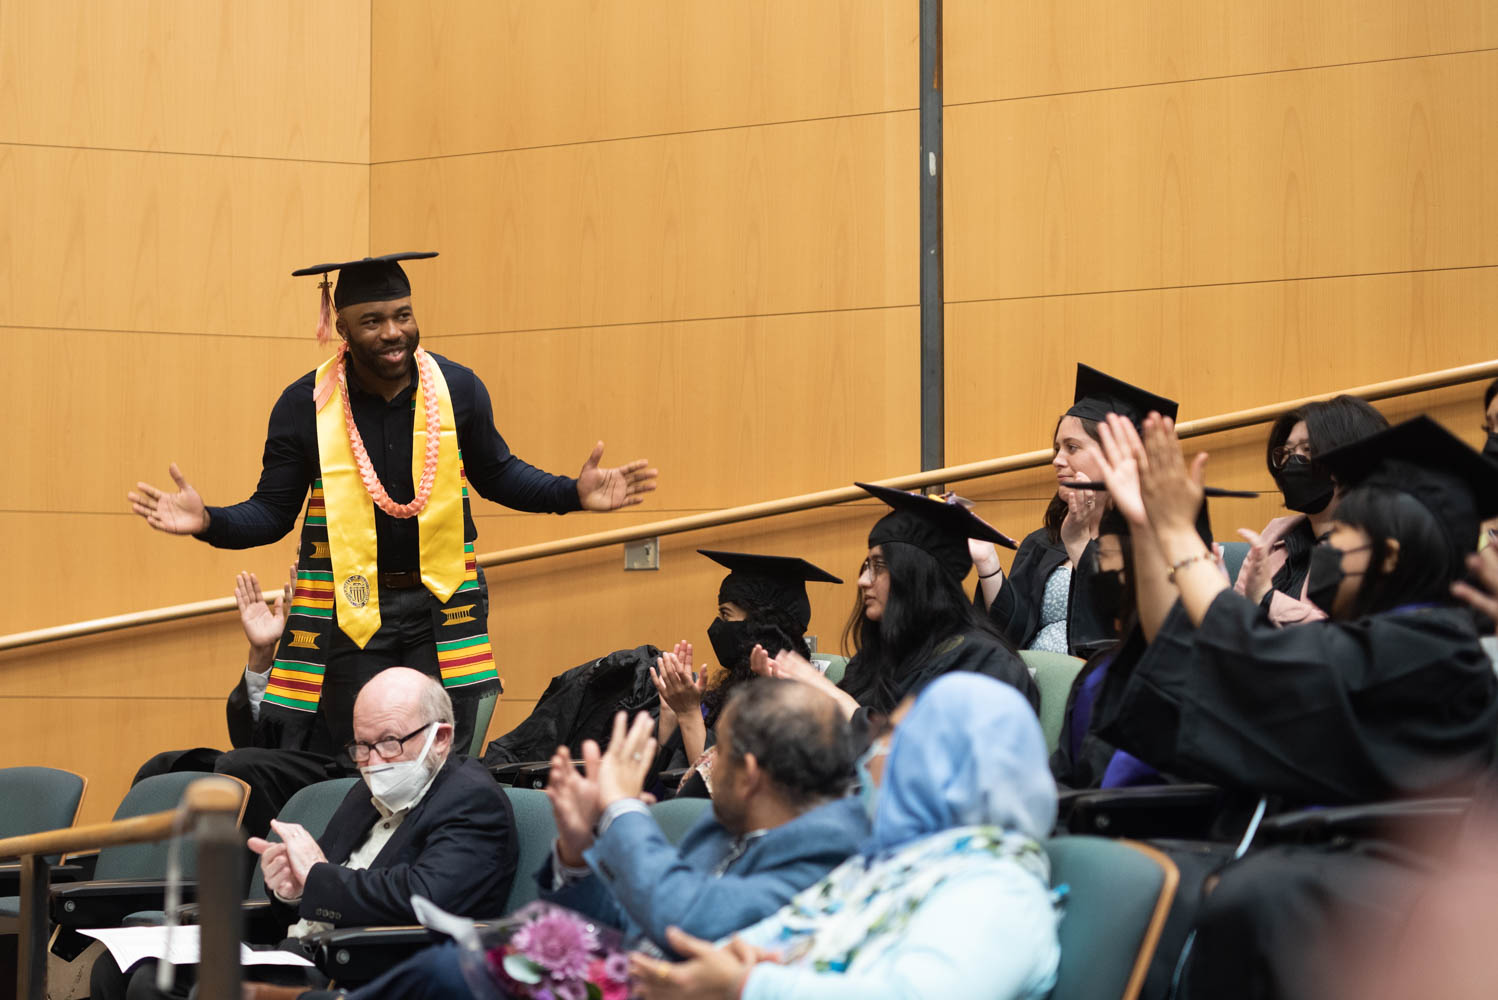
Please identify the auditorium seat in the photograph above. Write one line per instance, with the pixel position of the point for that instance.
(1054, 674)
(36, 799)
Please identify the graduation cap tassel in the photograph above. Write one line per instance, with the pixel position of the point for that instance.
(325, 313)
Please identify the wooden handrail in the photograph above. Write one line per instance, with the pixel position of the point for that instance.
(203, 795)
(788, 505)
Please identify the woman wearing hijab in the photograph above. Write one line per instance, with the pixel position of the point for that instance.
(1044, 602)
(1276, 569)
(949, 899)
(761, 602)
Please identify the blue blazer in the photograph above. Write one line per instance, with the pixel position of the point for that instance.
(643, 883)
(457, 847)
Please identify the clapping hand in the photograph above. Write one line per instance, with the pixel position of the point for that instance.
(610, 489)
(788, 665)
(621, 771)
(1255, 574)
(262, 624)
(679, 689)
(574, 802)
(1084, 512)
(1172, 493)
(709, 973)
(285, 865)
(180, 513)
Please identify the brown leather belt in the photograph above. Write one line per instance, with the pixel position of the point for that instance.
(401, 581)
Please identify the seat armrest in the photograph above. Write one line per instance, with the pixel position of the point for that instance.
(1179, 811)
(1424, 822)
(107, 903)
(535, 775)
(10, 876)
(671, 781)
(352, 956)
(505, 773)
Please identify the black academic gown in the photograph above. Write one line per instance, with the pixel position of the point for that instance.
(973, 650)
(1402, 703)
(1016, 610)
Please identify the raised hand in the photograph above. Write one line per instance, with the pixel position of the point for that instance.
(1255, 574)
(574, 803)
(1120, 466)
(610, 489)
(1172, 494)
(985, 556)
(621, 771)
(262, 624)
(180, 513)
(673, 679)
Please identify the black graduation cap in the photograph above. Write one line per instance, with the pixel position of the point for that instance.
(371, 279)
(937, 526)
(1099, 394)
(1424, 460)
(776, 581)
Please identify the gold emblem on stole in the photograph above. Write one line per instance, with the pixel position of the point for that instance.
(356, 590)
(320, 550)
(303, 640)
(457, 616)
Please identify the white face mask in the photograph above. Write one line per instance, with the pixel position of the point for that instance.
(396, 785)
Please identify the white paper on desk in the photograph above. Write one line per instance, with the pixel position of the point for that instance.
(129, 945)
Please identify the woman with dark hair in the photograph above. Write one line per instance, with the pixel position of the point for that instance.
(913, 622)
(1390, 696)
(1037, 605)
(761, 602)
(1274, 573)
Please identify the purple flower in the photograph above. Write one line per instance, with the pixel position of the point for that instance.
(616, 966)
(559, 943)
(570, 989)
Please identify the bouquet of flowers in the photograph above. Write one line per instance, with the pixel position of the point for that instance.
(547, 952)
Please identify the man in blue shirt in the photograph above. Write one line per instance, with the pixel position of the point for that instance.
(779, 822)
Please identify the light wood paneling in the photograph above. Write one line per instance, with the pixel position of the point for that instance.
(149, 241)
(106, 739)
(786, 218)
(1011, 364)
(120, 407)
(731, 411)
(274, 78)
(1343, 171)
(549, 616)
(1022, 49)
(462, 76)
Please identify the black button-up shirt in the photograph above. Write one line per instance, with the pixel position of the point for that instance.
(290, 466)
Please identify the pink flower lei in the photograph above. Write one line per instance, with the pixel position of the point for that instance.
(372, 484)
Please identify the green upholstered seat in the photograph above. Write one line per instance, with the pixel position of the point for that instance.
(1054, 674)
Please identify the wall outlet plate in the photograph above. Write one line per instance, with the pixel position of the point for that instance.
(643, 553)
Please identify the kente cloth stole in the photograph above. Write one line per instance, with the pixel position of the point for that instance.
(337, 575)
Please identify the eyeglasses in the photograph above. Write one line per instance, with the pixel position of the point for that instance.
(1284, 454)
(873, 567)
(387, 747)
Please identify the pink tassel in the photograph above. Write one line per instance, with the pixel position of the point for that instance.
(325, 314)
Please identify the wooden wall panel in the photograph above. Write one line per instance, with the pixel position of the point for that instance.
(1379, 167)
(106, 240)
(268, 78)
(1215, 348)
(1000, 51)
(464, 76)
(731, 411)
(786, 218)
(105, 739)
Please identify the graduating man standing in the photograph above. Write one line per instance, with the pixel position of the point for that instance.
(388, 438)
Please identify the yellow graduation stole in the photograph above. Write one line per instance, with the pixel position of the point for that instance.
(350, 510)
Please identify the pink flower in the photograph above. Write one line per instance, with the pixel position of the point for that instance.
(616, 967)
(558, 942)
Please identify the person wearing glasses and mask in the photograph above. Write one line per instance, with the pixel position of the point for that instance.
(421, 822)
(1276, 570)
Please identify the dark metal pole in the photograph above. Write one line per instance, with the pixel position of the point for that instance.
(31, 957)
(933, 359)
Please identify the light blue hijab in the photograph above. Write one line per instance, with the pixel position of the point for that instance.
(969, 753)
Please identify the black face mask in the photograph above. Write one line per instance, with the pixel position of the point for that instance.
(1306, 487)
(730, 641)
(1106, 590)
(1490, 447)
(1325, 576)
